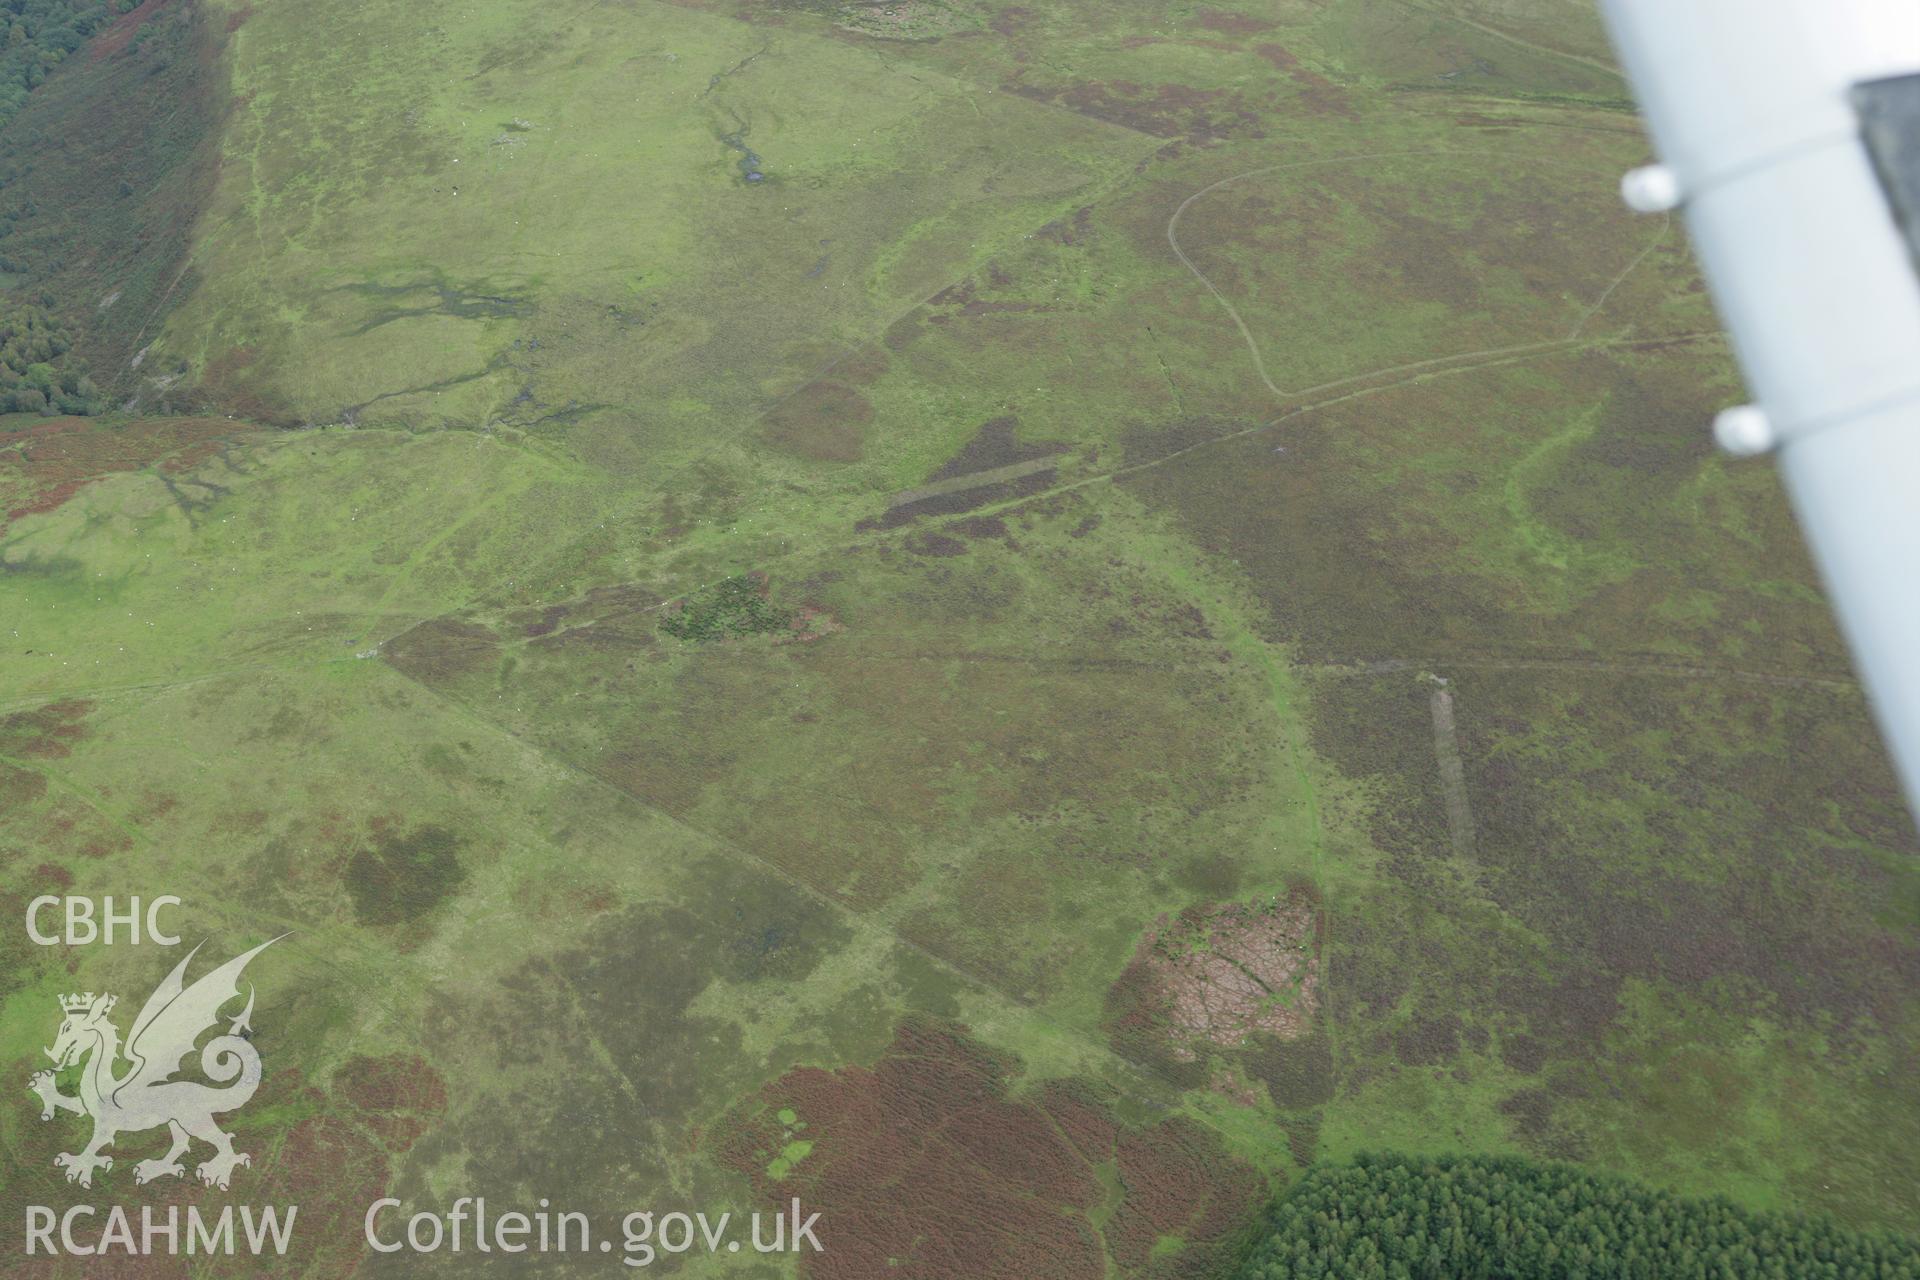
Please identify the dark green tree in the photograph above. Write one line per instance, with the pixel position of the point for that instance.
(1503, 1218)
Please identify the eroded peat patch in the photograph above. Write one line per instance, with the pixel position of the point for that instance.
(1220, 973)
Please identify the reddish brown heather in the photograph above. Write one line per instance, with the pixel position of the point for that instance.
(55, 459)
(46, 732)
(923, 1166)
(1234, 24)
(328, 1151)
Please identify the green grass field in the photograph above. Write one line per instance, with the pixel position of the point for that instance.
(780, 595)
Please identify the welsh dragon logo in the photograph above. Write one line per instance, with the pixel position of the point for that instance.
(146, 1095)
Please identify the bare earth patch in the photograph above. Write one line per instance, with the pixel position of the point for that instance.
(903, 20)
(1219, 972)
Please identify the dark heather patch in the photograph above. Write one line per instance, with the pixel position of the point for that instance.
(1150, 442)
(628, 990)
(1571, 1015)
(401, 1097)
(1380, 731)
(1298, 1074)
(934, 544)
(1668, 904)
(823, 421)
(1661, 898)
(1426, 1041)
(911, 1154)
(548, 622)
(1137, 1016)
(623, 616)
(1522, 1053)
(1211, 875)
(763, 930)
(1233, 24)
(1303, 1140)
(1368, 974)
(315, 1148)
(440, 650)
(1377, 567)
(995, 444)
(401, 878)
(1531, 1112)
(1069, 231)
(45, 733)
(1013, 19)
(20, 956)
(20, 787)
(949, 504)
(980, 527)
(1197, 116)
(1317, 93)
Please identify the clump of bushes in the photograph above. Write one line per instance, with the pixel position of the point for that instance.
(35, 375)
(36, 35)
(737, 606)
(1391, 1217)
